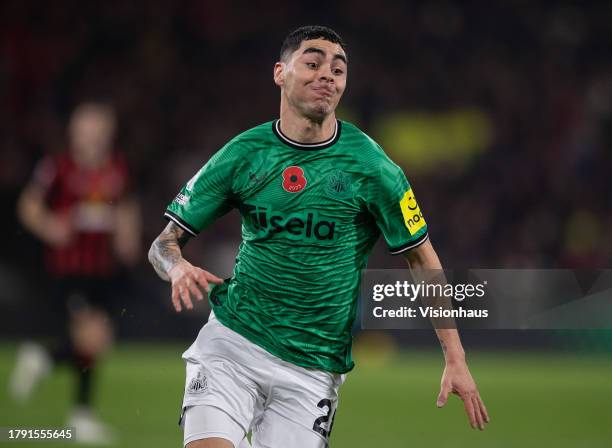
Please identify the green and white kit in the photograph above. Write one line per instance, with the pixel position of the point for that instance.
(311, 214)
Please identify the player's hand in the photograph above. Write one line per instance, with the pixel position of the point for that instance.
(57, 230)
(188, 280)
(458, 380)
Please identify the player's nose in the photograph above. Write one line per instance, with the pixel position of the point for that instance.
(326, 73)
(327, 77)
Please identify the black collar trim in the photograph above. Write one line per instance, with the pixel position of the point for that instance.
(307, 146)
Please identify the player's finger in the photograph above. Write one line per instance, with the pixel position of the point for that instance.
(469, 409)
(185, 297)
(195, 290)
(483, 409)
(477, 414)
(443, 396)
(201, 279)
(176, 301)
(213, 278)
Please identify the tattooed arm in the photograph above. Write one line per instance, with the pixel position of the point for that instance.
(167, 260)
(165, 251)
(425, 265)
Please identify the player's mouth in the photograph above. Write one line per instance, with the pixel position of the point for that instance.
(323, 91)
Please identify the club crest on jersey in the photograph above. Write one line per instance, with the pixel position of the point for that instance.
(338, 184)
(198, 384)
(294, 180)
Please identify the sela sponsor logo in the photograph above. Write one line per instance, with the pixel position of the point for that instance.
(294, 180)
(198, 384)
(298, 225)
(413, 218)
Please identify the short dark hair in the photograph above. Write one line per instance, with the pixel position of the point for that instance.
(295, 38)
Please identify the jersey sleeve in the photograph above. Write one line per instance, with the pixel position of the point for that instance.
(207, 196)
(395, 209)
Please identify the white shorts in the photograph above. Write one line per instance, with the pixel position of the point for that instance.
(234, 386)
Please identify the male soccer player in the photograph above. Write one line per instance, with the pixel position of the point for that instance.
(79, 205)
(314, 193)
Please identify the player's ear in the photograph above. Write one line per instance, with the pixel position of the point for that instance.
(279, 73)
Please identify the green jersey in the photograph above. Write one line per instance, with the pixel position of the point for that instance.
(311, 214)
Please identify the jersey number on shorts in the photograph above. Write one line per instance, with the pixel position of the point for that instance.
(325, 403)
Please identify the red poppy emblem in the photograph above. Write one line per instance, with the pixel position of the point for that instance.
(293, 179)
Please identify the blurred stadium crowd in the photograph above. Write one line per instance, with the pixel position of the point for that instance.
(525, 88)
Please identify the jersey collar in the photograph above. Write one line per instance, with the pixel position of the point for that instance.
(307, 146)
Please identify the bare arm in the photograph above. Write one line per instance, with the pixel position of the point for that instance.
(167, 260)
(51, 228)
(165, 251)
(456, 378)
(424, 258)
(127, 236)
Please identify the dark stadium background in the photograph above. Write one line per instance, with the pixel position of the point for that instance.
(499, 112)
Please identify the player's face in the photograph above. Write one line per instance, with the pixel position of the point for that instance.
(313, 79)
(92, 130)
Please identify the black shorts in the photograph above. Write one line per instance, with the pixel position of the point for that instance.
(73, 294)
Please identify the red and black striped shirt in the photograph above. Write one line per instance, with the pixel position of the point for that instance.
(87, 198)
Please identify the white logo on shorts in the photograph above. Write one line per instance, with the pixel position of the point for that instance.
(197, 385)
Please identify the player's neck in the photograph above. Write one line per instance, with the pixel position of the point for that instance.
(90, 160)
(305, 130)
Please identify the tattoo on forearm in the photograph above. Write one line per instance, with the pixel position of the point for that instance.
(165, 251)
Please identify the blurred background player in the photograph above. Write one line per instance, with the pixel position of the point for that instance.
(78, 205)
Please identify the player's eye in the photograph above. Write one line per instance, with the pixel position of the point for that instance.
(338, 71)
(312, 65)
